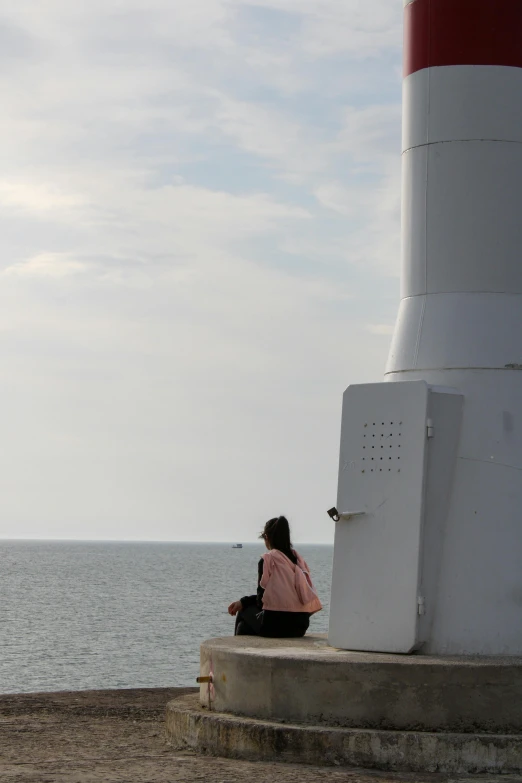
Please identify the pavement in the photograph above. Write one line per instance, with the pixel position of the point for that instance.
(119, 736)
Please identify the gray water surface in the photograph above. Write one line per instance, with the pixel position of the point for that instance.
(81, 615)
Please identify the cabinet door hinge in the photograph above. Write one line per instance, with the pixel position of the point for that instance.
(429, 428)
(421, 606)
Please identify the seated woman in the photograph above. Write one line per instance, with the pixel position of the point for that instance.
(285, 596)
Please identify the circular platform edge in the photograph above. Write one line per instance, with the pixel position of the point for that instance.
(230, 736)
(304, 681)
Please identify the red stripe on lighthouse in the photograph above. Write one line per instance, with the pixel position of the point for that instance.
(462, 32)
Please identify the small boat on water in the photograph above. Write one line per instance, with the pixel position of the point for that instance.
(237, 546)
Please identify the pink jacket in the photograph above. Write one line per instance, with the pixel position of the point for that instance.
(288, 587)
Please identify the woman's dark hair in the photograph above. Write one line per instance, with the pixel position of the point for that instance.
(277, 533)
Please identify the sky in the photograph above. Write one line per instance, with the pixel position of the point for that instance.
(200, 217)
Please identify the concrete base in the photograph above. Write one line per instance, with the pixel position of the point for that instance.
(306, 681)
(299, 700)
(188, 724)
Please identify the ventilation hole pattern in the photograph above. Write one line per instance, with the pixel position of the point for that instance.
(381, 447)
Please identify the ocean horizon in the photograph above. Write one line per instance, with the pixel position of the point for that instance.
(146, 541)
(98, 614)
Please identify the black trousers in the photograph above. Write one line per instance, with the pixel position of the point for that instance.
(279, 625)
(248, 622)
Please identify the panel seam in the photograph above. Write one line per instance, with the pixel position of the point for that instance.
(491, 462)
(461, 293)
(449, 369)
(460, 141)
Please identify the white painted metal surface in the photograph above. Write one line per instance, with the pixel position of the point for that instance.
(461, 216)
(461, 330)
(413, 221)
(477, 593)
(445, 408)
(377, 553)
(460, 326)
(462, 103)
(455, 241)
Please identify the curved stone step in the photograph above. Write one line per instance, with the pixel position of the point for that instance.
(307, 681)
(188, 724)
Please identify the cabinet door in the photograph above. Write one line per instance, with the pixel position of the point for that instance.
(377, 553)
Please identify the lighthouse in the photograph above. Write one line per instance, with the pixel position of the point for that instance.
(428, 544)
(422, 668)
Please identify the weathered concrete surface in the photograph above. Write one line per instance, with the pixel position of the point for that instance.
(188, 724)
(119, 737)
(306, 681)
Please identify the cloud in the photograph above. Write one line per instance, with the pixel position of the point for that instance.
(271, 135)
(37, 198)
(371, 133)
(54, 265)
(332, 26)
(381, 329)
(199, 249)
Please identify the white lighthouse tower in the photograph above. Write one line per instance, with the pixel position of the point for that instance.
(428, 538)
(428, 547)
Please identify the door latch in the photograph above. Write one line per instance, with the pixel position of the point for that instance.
(337, 515)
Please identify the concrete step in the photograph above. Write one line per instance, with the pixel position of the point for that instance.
(307, 681)
(188, 724)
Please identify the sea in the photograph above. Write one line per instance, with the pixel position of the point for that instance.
(95, 615)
